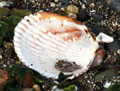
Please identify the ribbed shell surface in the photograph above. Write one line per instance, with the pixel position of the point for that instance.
(43, 39)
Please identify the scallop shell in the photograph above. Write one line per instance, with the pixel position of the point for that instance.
(51, 44)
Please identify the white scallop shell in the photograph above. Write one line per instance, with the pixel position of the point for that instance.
(43, 39)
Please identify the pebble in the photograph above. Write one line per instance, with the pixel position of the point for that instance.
(72, 9)
(0, 56)
(107, 84)
(3, 78)
(96, 17)
(92, 5)
(96, 29)
(118, 51)
(83, 6)
(114, 46)
(36, 87)
(52, 5)
(27, 80)
(4, 4)
(114, 4)
(83, 15)
(56, 1)
(65, 1)
(72, 15)
(32, 1)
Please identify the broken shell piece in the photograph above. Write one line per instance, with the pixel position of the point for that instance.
(104, 38)
(51, 44)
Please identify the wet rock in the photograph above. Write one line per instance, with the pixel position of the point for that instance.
(96, 29)
(114, 4)
(3, 78)
(96, 17)
(27, 89)
(83, 15)
(114, 46)
(36, 87)
(106, 75)
(72, 9)
(65, 1)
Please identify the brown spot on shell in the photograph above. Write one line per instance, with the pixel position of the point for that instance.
(65, 66)
(70, 33)
(29, 22)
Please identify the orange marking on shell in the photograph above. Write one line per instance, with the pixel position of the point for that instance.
(48, 15)
(29, 22)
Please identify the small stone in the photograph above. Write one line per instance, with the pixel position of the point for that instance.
(114, 46)
(56, 1)
(83, 6)
(0, 56)
(72, 15)
(4, 4)
(65, 1)
(27, 89)
(96, 29)
(1, 51)
(27, 80)
(32, 1)
(107, 84)
(62, 8)
(3, 78)
(41, 1)
(72, 9)
(8, 45)
(114, 4)
(4, 65)
(83, 15)
(36, 87)
(118, 51)
(92, 5)
(52, 5)
(96, 17)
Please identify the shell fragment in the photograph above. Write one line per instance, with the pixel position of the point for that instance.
(102, 37)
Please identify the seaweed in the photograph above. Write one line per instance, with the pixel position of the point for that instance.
(9, 19)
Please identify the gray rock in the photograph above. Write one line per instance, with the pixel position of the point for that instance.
(114, 4)
(65, 1)
(83, 15)
(114, 46)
